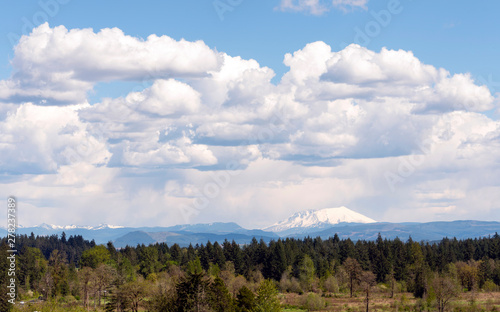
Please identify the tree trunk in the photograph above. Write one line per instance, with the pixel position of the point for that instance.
(367, 301)
(99, 296)
(351, 286)
(393, 285)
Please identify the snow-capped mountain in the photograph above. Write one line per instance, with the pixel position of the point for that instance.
(75, 227)
(324, 223)
(319, 219)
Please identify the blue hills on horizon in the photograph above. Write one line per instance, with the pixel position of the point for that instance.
(186, 234)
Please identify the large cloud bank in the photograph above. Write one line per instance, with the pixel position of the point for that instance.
(206, 136)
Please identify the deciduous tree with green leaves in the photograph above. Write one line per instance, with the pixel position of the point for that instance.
(95, 256)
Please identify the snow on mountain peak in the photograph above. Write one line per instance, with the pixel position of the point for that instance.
(72, 227)
(319, 218)
(108, 226)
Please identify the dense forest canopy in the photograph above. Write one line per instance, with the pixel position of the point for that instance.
(57, 266)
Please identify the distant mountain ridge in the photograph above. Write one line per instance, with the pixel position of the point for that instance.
(180, 234)
(73, 227)
(184, 239)
(429, 231)
(324, 223)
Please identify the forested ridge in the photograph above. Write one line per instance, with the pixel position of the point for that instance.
(169, 278)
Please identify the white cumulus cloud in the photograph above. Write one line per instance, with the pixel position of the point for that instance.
(38, 139)
(211, 131)
(63, 65)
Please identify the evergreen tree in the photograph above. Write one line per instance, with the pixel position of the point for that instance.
(306, 272)
(5, 281)
(192, 289)
(237, 258)
(148, 261)
(191, 253)
(112, 251)
(347, 250)
(218, 255)
(32, 267)
(494, 248)
(267, 297)
(419, 283)
(245, 300)
(219, 298)
(276, 263)
(176, 253)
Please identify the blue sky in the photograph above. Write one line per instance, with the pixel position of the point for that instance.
(455, 35)
(353, 118)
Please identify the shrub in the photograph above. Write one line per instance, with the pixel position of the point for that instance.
(490, 286)
(331, 285)
(314, 302)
